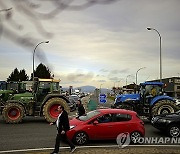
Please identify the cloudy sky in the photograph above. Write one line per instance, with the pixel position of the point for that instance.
(99, 44)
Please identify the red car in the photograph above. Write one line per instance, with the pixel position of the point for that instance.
(105, 124)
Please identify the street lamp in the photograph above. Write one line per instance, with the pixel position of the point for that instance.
(160, 51)
(34, 54)
(100, 86)
(119, 82)
(126, 80)
(138, 71)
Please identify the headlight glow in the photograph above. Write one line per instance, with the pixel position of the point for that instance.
(72, 126)
(162, 120)
(154, 119)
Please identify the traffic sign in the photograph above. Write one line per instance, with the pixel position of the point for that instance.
(102, 98)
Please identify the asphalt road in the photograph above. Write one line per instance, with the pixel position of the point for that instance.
(37, 133)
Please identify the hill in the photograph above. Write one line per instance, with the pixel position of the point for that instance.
(88, 89)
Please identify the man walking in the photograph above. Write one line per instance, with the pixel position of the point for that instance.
(62, 124)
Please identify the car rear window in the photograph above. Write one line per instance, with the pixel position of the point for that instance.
(121, 117)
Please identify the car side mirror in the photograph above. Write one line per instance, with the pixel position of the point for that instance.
(95, 122)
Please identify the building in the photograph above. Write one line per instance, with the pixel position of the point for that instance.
(172, 86)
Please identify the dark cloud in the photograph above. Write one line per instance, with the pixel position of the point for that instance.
(119, 71)
(114, 71)
(79, 77)
(114, 79)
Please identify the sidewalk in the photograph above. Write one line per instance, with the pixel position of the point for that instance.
(116, 150)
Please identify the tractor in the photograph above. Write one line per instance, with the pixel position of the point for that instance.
(8, 89)
(43, 100)
(149, 101)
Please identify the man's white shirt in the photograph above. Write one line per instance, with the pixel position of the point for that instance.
(58, 119)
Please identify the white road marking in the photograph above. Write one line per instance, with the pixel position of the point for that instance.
(81, 147)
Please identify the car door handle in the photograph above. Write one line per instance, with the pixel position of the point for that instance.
(110, 126)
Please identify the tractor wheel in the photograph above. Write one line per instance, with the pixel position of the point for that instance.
(13, 113)
(163, 107)
(50, 108)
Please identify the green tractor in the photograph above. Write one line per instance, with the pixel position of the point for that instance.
(8, 89)
(42, 101)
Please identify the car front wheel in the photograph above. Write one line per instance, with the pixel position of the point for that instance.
(134, 137)
(81, 138)
(174, 130)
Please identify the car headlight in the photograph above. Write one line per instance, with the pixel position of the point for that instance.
(177, 102)
(154, 119)
(72, 126)
(162, 120)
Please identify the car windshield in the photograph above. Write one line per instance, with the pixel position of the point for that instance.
(74, 97)
(89, 115)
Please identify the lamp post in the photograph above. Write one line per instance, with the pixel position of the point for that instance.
(137, 73)
(126, 80)
(34, 54)
(160, 51)
(100, 87)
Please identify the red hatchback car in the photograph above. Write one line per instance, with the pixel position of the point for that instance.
(105, 124)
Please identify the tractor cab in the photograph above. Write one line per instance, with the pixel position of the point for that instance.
(17, 87)
(43, 87)
(149, 90)
(11, 88)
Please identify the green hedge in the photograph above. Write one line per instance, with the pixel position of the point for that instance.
(111, 97)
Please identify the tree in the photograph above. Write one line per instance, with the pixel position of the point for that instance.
(42, 72)
(17, 75)
(23, 76)
(14, 76)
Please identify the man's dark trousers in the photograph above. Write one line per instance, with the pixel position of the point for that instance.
(64, 138)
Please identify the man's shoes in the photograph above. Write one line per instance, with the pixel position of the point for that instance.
(54, 153)
(73, 149)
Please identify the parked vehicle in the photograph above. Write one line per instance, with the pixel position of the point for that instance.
(2, 85)
(72, 104)
(105, 124)
(177, 102)
(8, 89)
(42, 101)
(149, 101)
(75, 98)
(169, 123)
